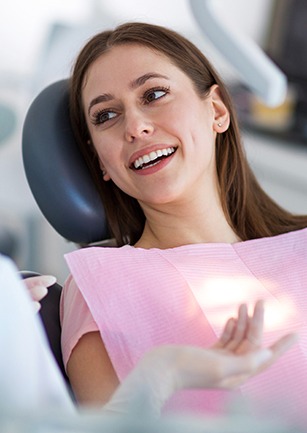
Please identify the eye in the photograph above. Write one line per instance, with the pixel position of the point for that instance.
(103, 116)
(155, 94)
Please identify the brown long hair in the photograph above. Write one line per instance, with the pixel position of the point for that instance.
(248, 209)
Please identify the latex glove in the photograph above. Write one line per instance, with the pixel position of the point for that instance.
(38, 288)
(237, 356)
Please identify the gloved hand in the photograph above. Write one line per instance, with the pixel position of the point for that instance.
(38, 288)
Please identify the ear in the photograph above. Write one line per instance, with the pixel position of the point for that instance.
(105, 174)
(220, 111)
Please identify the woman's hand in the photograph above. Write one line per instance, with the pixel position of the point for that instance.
(38, 288)
(237, 356)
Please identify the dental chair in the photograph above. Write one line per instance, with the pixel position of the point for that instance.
(56, 172)
(62, 187)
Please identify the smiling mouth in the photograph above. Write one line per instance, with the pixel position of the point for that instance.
(152, 158)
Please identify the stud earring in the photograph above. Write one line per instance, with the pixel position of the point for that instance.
(219, 124)
(103, 173)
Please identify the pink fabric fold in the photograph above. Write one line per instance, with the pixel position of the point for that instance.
(143, 298)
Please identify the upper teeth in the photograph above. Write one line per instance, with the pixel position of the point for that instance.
(152, 156)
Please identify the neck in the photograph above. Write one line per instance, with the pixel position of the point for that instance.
(173, 226)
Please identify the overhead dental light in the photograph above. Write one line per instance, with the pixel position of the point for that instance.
(254, 67)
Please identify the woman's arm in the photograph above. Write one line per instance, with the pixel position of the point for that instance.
(91, 374)
(236, 356)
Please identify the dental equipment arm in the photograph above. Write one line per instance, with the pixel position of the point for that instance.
(257, 71)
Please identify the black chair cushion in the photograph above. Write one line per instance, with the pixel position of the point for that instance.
(56, 171)
(50, 314)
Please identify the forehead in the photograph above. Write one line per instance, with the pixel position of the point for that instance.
(124, 63)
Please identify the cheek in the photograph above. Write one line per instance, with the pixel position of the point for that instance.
(111, 159)
(106, 149)
(177, 121)
(188, 126)
(187, 116)
(102, 156)
(203, 141)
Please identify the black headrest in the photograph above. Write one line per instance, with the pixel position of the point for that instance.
(56, 171)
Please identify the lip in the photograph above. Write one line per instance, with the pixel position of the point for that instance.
(155, 167)
(147, 150)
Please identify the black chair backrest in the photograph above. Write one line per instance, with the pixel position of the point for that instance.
(56, 171)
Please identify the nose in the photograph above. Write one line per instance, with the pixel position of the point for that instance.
(137, 125)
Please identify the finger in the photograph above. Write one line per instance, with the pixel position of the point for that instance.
(255, 327)
(254, 332)
(240, 368)
(237, 369)
(37, 306)
(38, 292)
(226, 335)
(240, 328)
(40, 280)
(283, 344)
(279, 348)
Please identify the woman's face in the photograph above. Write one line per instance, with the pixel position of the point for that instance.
(152, 132)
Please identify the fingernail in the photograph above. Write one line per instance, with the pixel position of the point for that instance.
(38, 292)
(49, 280)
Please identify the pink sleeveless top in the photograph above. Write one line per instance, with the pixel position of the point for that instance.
(143, 298)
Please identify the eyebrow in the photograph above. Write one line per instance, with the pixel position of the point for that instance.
(105, 97)
(101, 98)
(143, 78)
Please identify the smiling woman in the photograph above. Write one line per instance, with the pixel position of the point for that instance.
(140, 115)
(157, 128)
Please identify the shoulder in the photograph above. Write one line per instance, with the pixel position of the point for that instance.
(70, 291)
(75, 316)
(72, 302)
(287, 238)
(107, 261)
(295, 238)
(89, 255)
